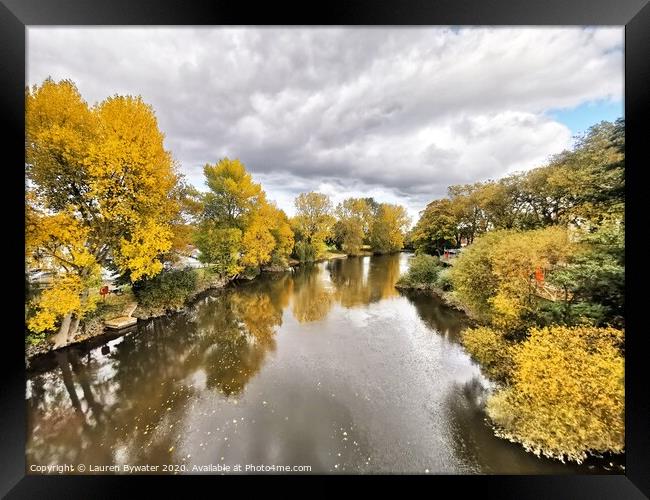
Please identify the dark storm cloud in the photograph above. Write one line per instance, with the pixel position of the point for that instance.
(400, 113)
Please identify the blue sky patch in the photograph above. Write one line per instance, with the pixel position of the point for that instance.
(580, 118)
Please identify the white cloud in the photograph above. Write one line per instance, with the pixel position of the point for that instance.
(397, 113)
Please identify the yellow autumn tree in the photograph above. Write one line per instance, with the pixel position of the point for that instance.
(280, 228)
(98, 194)
(354, 219)
(312, 224)
(234, 205)
(257, 242)
(388, 229)
(233, 197)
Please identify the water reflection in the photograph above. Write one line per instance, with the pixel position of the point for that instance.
(313, 295)
(446, 321)
(382, 385)
(364, 280)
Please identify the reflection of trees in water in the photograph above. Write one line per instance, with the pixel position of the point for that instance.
(363, 280)
(355, 281)
(132, 398)
(436, 315)
(237, 330)
(312, 297)
(66, 406)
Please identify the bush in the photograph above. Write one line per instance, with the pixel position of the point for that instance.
(491, 349)
(168, 290)
(494, 275)
(566, 395)
(423, 271)
(443, 281)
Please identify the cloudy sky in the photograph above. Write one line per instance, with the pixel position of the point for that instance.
(398, 114)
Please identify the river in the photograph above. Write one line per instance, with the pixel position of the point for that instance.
(329, 367)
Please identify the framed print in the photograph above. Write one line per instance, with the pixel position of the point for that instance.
(372, 242)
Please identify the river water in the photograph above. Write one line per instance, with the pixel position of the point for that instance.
(329, 367)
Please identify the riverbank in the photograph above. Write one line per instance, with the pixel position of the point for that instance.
(94, 328)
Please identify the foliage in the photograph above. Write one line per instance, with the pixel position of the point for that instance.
(594, 278)
(68, 294)
(436, 228)
(305, 252)
(220, 247)
(233, 197)
(312, 224)
(491, 349)
(472, 278)
(282, 233)
(352, 228)
(566, 397)
(388, 228)
(495, 275)
(545, 269)
(257, 243)
(168, 290)
(99, 191)
(584, 184)
(240, 229)
(443, 281)
(423, 271)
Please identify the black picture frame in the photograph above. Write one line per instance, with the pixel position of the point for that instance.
(16, 15)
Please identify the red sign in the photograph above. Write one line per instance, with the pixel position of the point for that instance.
(103, 291)
(539, 275)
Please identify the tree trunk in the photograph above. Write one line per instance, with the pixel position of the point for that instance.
(61, 337)
(74, 326)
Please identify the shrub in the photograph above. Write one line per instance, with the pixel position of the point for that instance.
(566, 396)
(490, 348)
(443, 281)
(168, 290)
(423, 270)
(494, 275)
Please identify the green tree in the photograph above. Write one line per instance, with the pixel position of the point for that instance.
(437, 228)
(593, 280)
